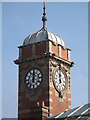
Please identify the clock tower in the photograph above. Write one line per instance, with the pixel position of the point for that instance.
(44, 75)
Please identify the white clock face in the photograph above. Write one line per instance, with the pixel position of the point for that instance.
(33, 78)
(59, 80)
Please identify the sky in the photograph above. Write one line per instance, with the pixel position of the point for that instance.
(67, 20)
(88, 53)
(0, 60)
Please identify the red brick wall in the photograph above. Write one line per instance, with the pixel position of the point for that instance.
(64, 53)
(27, 51)
(57, 105)
(54, 49)
(38, 112)
(30, 98)
(35, 113)
(27, 103)
(40, 48)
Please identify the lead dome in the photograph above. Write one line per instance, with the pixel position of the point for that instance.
(44, 34)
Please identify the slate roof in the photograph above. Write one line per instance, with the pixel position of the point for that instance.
(79, 113)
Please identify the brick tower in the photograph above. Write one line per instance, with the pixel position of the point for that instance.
(44, 75)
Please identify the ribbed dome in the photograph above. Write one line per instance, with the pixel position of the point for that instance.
(43, 35)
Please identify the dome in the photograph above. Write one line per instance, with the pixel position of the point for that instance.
(44, 35)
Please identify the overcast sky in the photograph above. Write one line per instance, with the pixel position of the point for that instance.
(67, 20)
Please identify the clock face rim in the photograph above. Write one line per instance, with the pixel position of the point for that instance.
(65, 76)
(26, 75)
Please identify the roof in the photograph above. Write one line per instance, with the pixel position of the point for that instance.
(44, 35)
(78, 113)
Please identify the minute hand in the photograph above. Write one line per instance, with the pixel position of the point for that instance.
(60, 77)
(33, 76)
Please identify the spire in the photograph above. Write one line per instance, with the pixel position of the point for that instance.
(44, 16)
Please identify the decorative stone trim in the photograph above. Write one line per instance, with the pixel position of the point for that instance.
(61, 99)
(51, 84)
(68, 55)
(59, 51)
(69, 99)
(64, 96)
(50, 115)
(51, 108)
(56, 93)
(50, 100)
(69, 106)
(50, 49)
(50, 92)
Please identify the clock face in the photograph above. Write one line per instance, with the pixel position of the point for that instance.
(59, 80)
(33, 78)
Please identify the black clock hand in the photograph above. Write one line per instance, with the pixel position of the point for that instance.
(60, 77)
(33, 76)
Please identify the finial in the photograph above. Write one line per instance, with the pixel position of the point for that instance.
(44, 8)
(44, 17)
